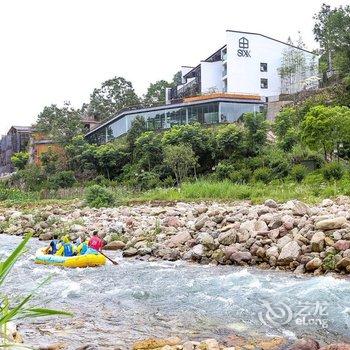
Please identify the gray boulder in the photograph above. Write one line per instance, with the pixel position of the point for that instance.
(114, 245)
(313, 264)
(317, 241)
(289, 252)
(331, 224)
(200, 222)
(130, 252)
(206, 240)
(227, 238)
(239, 257)
(179, 239)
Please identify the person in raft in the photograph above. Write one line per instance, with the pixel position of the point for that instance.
(95, 242)
(67, 248)
(83, 247)
(54, 245)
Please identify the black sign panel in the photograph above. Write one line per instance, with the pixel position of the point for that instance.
(243, 44)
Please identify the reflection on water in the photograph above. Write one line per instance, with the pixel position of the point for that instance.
(116, 305)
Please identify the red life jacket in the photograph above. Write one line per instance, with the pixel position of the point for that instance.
(95, 243)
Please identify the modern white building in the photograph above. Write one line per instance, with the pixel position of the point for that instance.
(238, 78)
(250, 63)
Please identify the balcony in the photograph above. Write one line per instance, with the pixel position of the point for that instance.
(190, 89)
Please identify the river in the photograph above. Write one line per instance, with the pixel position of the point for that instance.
(114, 306)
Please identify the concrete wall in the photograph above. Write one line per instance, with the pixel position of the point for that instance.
(211, 77)
(243, 64)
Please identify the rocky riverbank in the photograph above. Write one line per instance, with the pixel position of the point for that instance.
(289, 236)
(235, 343)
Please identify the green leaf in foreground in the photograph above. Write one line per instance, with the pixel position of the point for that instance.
(8, 312)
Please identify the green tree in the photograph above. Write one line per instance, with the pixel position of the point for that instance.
(81, 155)
(331, 30)
(148, 149)
(230, 141)
(156, 93)
(111, 158)
(177, 78)
(138, 126)
(59, 124)
(20, 160)
(285, 120)
(181, 159)
(293, 68)
(113, 95)
(286, 128)
(256, 128)
(326, 128)
(50, 161)
(201, 140)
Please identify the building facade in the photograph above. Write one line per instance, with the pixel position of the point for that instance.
(206, 109)
(16, 140)
(249, 63)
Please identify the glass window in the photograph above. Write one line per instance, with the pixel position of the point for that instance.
(263, 83)
(231, 112)
(263, 67)
(192, 115)
(211, 116)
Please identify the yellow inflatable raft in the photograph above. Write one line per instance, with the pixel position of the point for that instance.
(91, 259)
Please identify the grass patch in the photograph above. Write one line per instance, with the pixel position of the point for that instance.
(256, 192)
(311, 190)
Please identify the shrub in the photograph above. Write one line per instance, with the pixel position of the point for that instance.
(280, 169)
(63, 179)
(97, 196)
(240, 176)
(50, 161)
(16, 195)
(298, 172)
(223, 171)
(303, 154)
(135, 177)
(181, 159)
(20, 160)
(333, 171)
(100, 180)
(329, 262)
(263, 174)
(31, 178)
(146, 180)
(168, 182)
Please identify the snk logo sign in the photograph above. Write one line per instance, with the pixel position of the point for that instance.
(243, 44)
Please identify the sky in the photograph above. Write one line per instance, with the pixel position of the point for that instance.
(53, 51)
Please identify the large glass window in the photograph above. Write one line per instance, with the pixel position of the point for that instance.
(206, 113)
(231, 112)
(211, 114)
(192, 115)
(116, 129)
(98, 136)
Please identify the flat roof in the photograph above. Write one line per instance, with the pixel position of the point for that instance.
(203, 99)
(268, 37)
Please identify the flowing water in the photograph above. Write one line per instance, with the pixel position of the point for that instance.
(114, 306)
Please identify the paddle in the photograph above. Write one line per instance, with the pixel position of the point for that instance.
(112, 261)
